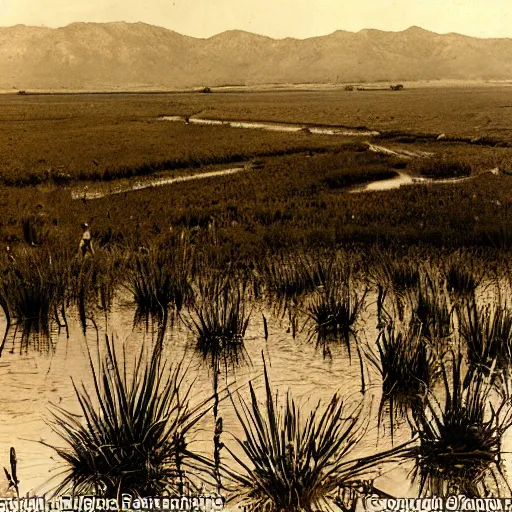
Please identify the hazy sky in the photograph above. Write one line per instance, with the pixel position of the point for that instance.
(275, 18)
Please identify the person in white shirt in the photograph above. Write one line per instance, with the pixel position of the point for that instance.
(86, 241)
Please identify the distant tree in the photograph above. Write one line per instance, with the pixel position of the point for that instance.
(22, 92)
(397, 87)
(206, 90)
(349, 87)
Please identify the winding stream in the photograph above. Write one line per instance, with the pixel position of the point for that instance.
(398, 181)
(86, 194)
(402, 179)
(274, 127)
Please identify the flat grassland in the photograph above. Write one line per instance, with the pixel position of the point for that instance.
(65, 137)
(296, 199)
(70, 137)
(457, 112)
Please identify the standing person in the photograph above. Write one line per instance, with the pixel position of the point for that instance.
(86, 242)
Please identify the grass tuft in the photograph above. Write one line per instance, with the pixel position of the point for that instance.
(299, 461)
(334, 312)
(407, 367)
(460, 436)
(134, 433)
(220, 320)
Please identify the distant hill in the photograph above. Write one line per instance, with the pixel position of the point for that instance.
(123, 55)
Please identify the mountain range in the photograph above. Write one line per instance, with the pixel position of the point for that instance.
(137, 55)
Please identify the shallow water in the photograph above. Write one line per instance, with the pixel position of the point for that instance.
(404, 179)
(274, 127)
(102, 191)
(400, 152)
(37, 374)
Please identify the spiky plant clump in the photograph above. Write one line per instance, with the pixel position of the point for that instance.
(134, 432)
(35, 286)
(220, 320)
(294, 461)
(160, 279)
(461, 436)
(487, 332)
(407, 366)
(434, 315)
(334, 312)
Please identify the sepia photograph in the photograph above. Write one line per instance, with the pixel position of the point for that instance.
(255, 256)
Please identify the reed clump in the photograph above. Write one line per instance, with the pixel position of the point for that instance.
(334, 311)
(288, 278)
(160, 278)
(461, 282)
(433, 311)
(219, 320)
(460, 434)
(35, 286)
(398, 281)
(487, 333)
(299, 461)
(133, 437)
(407, 366)
(94, 282)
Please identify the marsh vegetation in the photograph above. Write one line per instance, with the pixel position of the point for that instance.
(401, 297)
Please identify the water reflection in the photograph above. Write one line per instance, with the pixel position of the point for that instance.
(23, 338)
